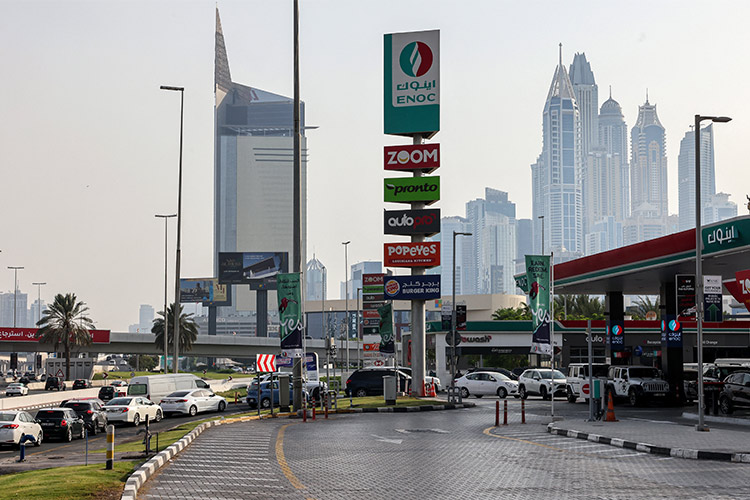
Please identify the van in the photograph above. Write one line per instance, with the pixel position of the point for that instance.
(157, 387)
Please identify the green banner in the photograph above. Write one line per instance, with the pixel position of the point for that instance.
(387, 344)
(290, 310)
(409, 189)
(538, 282)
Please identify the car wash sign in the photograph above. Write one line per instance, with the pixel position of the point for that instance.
(411, 87)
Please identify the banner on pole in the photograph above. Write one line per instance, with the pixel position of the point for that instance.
(290, 311)
(387, 342)
(538, 279)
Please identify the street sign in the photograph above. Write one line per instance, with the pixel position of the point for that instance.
(417, 287)
(712, 298)
(265, 363)
(453, 338)
(585, 389)
(424, 157)
(419, 254)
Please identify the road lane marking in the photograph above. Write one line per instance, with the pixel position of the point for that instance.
(281, 459)
(489, 433)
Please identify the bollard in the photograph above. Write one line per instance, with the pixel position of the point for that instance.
(110, 446)
(497, 413)
(22, 450)
(313, 413)
(304, 413)
(326, 410)
(523, 411)
(236, 397)
(505, 412)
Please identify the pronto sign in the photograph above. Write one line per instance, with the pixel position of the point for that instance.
(411, 89)
(426, 254)
(424, 157)
(409, 189)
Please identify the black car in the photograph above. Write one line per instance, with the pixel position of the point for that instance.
(106, 392)
(24, 380)
(91, 412)
(736, 392)
(369, 382)
(81, 384)
(61, 422)
(54, 384)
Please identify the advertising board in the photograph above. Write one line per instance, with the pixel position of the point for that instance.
(207, 291)
(411, 87)
(423, 254)
(422, 287)
(685, 290)
(424, 157)
(10, 334)
(712, 298)
(407, 222)
(257, 269)
(409, 189)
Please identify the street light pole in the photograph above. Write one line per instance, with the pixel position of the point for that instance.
(453, 315)
(699, 262)
(38, 315)
(359, 327)
(346, 293)
(15, 291)
(166, 340)
(177, 312)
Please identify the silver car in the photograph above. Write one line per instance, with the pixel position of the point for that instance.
(192, 401)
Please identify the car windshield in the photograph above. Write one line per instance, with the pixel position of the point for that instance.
(644, 372)
(179, 394)
(15, 385)
(548, 374)
(500, 376)
(50, 414)
(120, 402)
(78, 406)
(7, 417)
(137, 390)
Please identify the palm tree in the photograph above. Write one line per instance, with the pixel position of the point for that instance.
(509, 313)
(578, 307)
(188, 329)
(644, 305)
(65, 322)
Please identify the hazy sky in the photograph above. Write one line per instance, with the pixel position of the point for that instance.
(89, 144)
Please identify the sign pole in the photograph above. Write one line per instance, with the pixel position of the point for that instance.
(591, 375)
(552, 327)
(417, 310)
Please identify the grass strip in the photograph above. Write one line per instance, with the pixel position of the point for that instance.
(113, 375)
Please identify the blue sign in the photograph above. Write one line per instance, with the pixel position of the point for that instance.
(671, 332)
(412, 287)
(616, 335)
(286, 362)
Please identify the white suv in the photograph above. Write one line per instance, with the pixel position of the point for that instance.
(637, 383)
(538, 381)
(578, 377)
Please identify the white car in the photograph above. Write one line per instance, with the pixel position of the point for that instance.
(16, 389)
(119, 383)
(486, 383)
(538, 381)
(192, 401)
(132, 410)
(15, 423)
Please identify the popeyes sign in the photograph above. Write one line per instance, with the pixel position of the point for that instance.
(426, 254)
(29, 335)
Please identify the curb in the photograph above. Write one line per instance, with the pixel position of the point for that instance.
(717, 419)
(408, 409)
(653, 449)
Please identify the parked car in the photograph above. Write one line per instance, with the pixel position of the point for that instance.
(690, 384)
(736, 392)
(132, 410)
(427, 378)
(61, 422)
(157, 387)
(25, 380)
(82, 384)
(92, 413)
(192, 402)
(637, 383)
(504, 371)
(119, 383)
(31, 376)
(54, 384)
(487, 383)
(16, 389)
(369, 381)
(265, 394)
(15, 423)
(539, 382)
(578, 378)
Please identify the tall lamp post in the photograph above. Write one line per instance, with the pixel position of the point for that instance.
(359, 327)
(38, 315)
(346, 293)
(177, 314)
(699, 261)
(15, 291)
(166, 341)
(453, 315)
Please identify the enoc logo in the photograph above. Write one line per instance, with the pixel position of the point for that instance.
(616, 330)
(674, 325)
(416, 59)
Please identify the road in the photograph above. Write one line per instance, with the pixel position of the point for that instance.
(436, 455)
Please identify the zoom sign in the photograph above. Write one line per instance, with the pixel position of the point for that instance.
(426, 254)
(409, 189)
(425, 157)
(425, 222)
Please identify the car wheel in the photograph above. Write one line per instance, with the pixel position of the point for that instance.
(158, 416)
(725, 405)
(136, 420)
(502, 393)
(222, 406)
(633, 397)
(543, 392)
(360, 393)
(265, 403)
(69, 435)
(93, 428)
(193, 411)
(39, 438)
(522, 392)
(83, 432)
(464, 392)
(571, 397)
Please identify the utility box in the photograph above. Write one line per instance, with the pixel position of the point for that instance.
(389, 389)
(284, 395)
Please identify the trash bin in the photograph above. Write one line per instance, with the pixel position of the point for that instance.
(284, 396)
(389, 389)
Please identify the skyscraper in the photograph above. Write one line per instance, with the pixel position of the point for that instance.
(556, 176)
(253, 178)
(587, 97)
(686, 175)
(613, 138)
(316, 280)
(648, 173)
(447, 226)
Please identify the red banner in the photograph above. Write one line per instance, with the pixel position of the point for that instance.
(425, 157)
(8, 334)
(425, 254)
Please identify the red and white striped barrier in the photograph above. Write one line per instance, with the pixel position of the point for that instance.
(265, 363)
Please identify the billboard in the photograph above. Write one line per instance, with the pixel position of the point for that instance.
(685, 290)
(407, 222)
(422, 287)
(411, 87)
(257, 269)
(712, 298)
(425, 254)
(424, 157)
(9, 334)
(207, 291)
(290, 310)
(409, 189)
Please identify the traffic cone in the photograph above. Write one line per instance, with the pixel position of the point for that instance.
(432, 393)
(610, 411)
